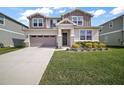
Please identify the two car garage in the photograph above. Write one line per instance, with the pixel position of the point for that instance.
(42, 40)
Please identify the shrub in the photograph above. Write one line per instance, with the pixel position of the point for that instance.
(94, 45)
(75, 45)
(1, 45)
(22, 45)
(88, 45)
(67, 49)
(101, 45)
(78, 43)
(83, 43)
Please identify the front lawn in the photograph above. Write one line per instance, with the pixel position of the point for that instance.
(6, 50)
(85, 68)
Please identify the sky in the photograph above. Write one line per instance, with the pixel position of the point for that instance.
(101, 14)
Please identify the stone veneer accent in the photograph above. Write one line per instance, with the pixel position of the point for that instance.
(59, 41)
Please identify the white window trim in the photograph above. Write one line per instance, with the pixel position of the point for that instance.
(37, 22)
(85, 35)
(111, 22)
(77, 19)
(3, 21)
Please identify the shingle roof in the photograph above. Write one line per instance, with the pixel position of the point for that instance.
(42, 15)
(78, 10)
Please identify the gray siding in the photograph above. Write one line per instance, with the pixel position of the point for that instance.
(11, 25)
(11, 33)
(112, 39)
(9, 39)
(117, 25)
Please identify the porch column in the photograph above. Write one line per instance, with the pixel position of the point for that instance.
(72, 37)
(59, 39)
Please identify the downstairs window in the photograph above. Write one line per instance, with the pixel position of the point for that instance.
(85, 34)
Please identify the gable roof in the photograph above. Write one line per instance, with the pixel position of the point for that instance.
(79, 11)
(13, 20)
(36, 14)
(66, 20)
(39, 14)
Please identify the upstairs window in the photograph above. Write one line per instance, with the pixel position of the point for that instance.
(78, 20)
(53, 22)
(37, 22)
(74, 19)
(85, 35)
(110, 24)
(40, 22)
(1, 20)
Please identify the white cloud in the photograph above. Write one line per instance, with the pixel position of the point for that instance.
(117, 10)
(44, 10)
(72, 8)
(56, 8)
(98, 12)
(23, 18)
(62, 11)
(64, 3)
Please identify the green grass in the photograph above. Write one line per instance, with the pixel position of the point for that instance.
(85, 68)
(6, 50)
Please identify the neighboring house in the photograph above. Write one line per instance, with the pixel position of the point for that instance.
(112, 32)
(11, 33)
(60, 31)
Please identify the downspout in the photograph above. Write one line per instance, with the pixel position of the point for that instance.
(122, 43)
(100, 29)
(123, 33)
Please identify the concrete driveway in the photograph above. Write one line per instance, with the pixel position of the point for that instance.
(25, 66)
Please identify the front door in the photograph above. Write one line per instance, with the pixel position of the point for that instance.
(64, 39)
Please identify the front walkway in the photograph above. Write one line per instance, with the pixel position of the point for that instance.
(25, 66)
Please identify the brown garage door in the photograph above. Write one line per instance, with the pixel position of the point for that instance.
(42, 40)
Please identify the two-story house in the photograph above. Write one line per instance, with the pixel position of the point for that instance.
(112, 32)
(61, 31)
(11, 34)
